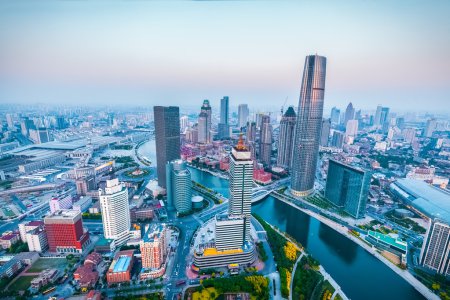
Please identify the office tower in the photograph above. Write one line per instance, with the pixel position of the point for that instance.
(110, 119)
(179, 186)
(377, 119)
(184, 123)
(431, 127)
(65, 233)
(153, 247)
(204, 123)
(241, 181)
(224, 127)
(401, 123)
(265, 141)
(325, 132)
(335, 114)
(251, 132)
(61, 122)
(358, 115)
(85, 184)
(286, 138)
(25, 125)
(229, 232)
(337, 140)
(384, 117)
(167, 138)
(242, 115)
(436, 248)
(115, 211)
(191, 134)
(348, 187)
(308, 126)
(409, 135)
(351, 129)
(10, 121)
(349, 113)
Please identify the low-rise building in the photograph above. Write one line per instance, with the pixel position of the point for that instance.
(120, 268)
(45, 277)
(387, 243)
(7, 240)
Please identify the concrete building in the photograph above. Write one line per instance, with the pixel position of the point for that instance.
(335, 115)
(82, 204)
(430, 128)
(229, 232)
(37, 240)
(153, 248)
(351, 129)
(179, 186)
(286, 138)
(167, 138)
(28, 226)
(61, 200)
(184, 123)
(242, 115)
(337, 140)
(224, 126)
(436, 248)
(115, 211)
(65, 232)
(348, 187)
(265, 141)
(120, 268)
(325, 132)
(204, 123)
(308, 126)
(349, 113)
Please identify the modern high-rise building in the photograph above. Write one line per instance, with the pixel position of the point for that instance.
(337, 140)
(115, 211)
(308, 126)
(61, 200)
(377, 119)
(224, 127)
(348, 187)
(351, 128)
(335, 115)
(153, 247)
(184, 123)
(167, 138)
(65, 232)
(436, 248)
(265, 141)
(179, 186)
(251, 132)
(37, 240)
(242, 115)
(286, 138)
(431, 127)
(325, 132)
(204, 123)
(10, 121)
(349, 113)
(241, 182)
(384, 117)
(230, 232)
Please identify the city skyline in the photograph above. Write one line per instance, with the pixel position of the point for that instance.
(119, 66)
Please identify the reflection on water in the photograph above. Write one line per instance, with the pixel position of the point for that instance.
(344, 248)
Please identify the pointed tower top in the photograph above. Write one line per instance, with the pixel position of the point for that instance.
(240, 145)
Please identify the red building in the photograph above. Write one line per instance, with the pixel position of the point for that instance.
(262, 177)
(65, 232)
(120, 268)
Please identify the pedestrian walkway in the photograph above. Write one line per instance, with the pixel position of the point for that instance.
(293, 273)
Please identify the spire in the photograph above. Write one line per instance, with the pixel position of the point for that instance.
(240, 145)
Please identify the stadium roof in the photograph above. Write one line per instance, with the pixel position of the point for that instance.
(431, 201)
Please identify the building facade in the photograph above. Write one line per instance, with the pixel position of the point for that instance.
(224, 126)
(265, 141)
(115, 211)
(348, 187)
(308, 126)
(204, 123)
(242, 115)
(179, 186)
(436, 248)
(286, 138)
(167, 138)
(325, 132)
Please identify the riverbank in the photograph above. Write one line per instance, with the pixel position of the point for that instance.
(217, 174)
(420, 287)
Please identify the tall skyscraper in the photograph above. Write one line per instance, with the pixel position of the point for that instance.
(337, 140)
(65, 233)
(349, 113)
(241, 182)
(286, 138)
(10, 121)
(308, 126)
(184, 123)
(224, 127)
(204, 123)
(325, 132)
(179, 186)
(377, 119)
(115, 211)
(351, 129)
(436, 248)
(348, 187)
(384, 117)
(335, 114)
(251, 132)
(431, 127)
(167, 138)
(242, 115)
(229, 232)
(265, 141)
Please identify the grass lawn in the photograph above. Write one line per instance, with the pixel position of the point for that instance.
(47, 263)
(22, 283)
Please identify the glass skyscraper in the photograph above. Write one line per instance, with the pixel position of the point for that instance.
(308, 126)
(167, 138)
(348, 187)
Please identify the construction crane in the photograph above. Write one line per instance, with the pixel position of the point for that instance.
(282, 107)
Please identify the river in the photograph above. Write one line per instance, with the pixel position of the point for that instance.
(360, 275)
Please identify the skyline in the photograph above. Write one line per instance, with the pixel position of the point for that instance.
(147, 53)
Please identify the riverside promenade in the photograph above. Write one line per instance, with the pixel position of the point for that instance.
(419, 286)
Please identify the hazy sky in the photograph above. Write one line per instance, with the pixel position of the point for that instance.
(396, 53)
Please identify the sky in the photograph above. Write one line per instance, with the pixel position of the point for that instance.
(395, 53)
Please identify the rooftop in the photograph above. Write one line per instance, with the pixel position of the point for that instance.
(122, 264)
(432, 201)
(389, 240)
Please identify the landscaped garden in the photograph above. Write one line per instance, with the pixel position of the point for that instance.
(138, 173)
